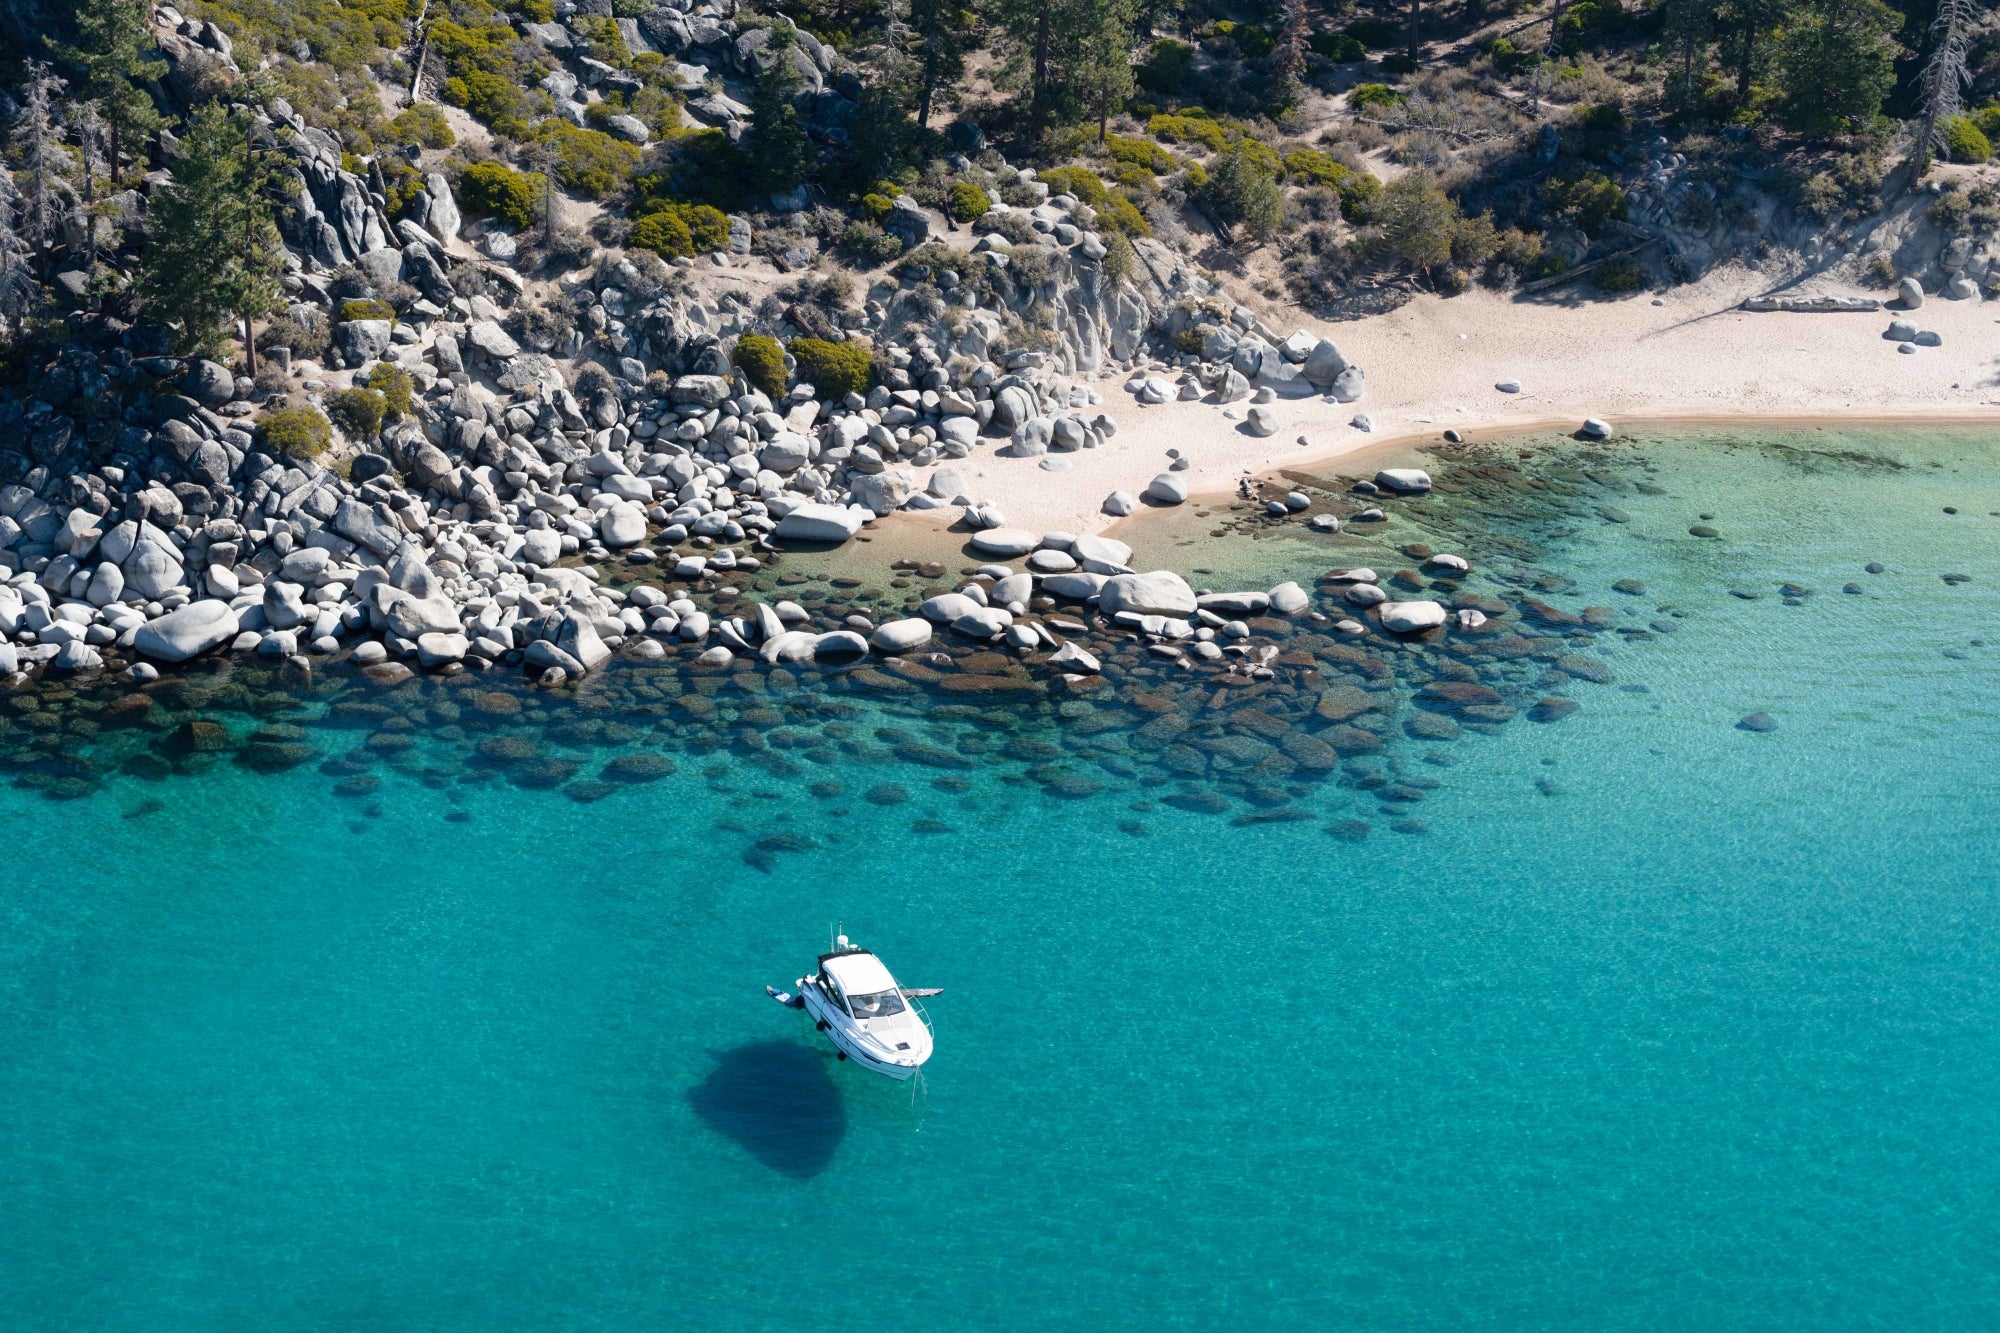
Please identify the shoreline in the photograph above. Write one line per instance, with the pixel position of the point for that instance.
(1693, 359)
(920, 534)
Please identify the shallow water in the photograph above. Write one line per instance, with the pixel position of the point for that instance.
(1660, 1023)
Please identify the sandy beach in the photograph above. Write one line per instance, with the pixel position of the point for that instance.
(1433, 363)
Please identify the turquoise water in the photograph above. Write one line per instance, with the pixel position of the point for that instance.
(1660, 1023)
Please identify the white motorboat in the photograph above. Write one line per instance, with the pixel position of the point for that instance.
(863, 1012)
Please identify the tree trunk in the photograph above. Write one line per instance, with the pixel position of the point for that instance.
(1043, 34)
(250, 344)
(1416, 29)
(1746, 48)
(115, 138)
(929, 91)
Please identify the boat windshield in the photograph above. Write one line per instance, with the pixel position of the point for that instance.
(882, 1004)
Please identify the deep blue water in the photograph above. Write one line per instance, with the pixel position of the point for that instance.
(1662, 1023)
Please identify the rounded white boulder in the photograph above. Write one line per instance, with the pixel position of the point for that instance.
(1412, 617)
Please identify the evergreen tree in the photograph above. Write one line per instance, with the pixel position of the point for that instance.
(1288, 63)
(1687, 28)
(1242, 194)
(1941, 86)
(19, 292)
(213, 255)
(42, 161)
(115, 51)
(1753, 27)
(780, 154)
(1073, 57)
(1837, 64)
(939, 34)
(1103, 77)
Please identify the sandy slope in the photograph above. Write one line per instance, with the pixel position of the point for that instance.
(1433, 364)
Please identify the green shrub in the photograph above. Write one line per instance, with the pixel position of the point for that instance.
(762, 362)
(1987, 120)
(877, 206)
(358, 412)
(490, 189)
(294, 432)
(1358, 195)
(1188, 128)
(1398, 63)
(966, 201)
(352, 310)
(1964, 141)
(676, 230)
(1509, 58)
(1119, 258)
(1337, 46)
(535, 11)
(1372, 33)
(1114, 211)
(422, 124)
(1373, 96)
(701, 165)
(1309, 166)
(589, 162)
(491, 98)
(1166, 68)
(664, 233)
(833, 368)
(1251, 41)
(868, 245)
(395, 386)
(1619, 276)
(1142, 153)
(1591, 199)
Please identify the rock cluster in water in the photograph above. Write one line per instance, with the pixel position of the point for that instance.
(1061, 664)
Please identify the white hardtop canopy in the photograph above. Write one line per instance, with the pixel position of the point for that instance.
(858, 973)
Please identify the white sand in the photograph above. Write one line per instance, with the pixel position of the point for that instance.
(1433, 364)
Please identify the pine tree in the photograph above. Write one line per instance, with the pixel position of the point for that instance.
(780, 153)
(1240, 192)
(1103, 77)
(1837, 64)
(1753, 26)
(1289, 62)
(19, 292)
(115, 51)
(1687, 27)
(938, 35)
(213, 255)
(1073, 57)
(44, 164)
(1942, 84)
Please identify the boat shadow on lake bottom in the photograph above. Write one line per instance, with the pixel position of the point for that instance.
(777, 1101)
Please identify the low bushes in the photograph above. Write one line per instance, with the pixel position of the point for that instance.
(395, 386)
(679, 231)
(1618, 276)
(352, 310)
(1114, 211)
(358, 412)
(589, 162)
(966, 202)
(1373, 97)
(1964, 141)
(294, 432)
(762, 362)
(833, 368)
(422, 124)
(1141, 153)
(490, 189)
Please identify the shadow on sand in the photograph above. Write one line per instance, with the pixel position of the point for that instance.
(777, 1101)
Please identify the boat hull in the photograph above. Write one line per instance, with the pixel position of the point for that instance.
(833, 1026)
